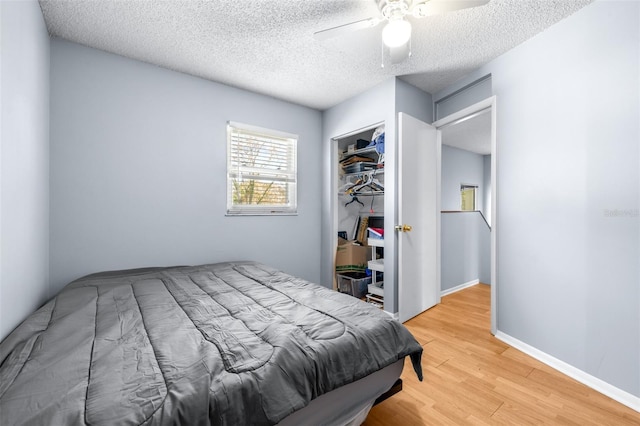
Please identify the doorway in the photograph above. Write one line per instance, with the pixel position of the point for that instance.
(453, 127)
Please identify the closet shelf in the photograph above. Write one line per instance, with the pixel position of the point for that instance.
(362, 194)
(375, 242)
(363, 173)
(377, 265)
(377, 290)
(365, 150)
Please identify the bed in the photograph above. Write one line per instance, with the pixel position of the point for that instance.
(236, 343)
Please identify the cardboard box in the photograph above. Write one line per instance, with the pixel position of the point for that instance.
(351, 257)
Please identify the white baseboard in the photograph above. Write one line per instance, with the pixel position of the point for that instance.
(395, 316)
(459, 287)
(587, 379)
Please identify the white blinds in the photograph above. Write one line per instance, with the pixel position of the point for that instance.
(261, 171)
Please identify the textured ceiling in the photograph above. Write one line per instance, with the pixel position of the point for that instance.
(267, 46)
(473, 134)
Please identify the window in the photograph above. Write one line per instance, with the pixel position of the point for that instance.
(261, 171)
(468, 197)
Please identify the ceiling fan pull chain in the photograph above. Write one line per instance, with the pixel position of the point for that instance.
(381, 55)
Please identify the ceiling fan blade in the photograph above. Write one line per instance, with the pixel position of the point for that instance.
(436, 7)
(346, 29)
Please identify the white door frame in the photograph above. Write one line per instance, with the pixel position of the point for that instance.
(465, 114)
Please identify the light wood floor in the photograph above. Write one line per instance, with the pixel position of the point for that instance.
(470, 377)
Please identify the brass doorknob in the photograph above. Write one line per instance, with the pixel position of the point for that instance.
(404, 228)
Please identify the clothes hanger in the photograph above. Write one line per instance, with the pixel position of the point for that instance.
(374, 184)
(349, 185)
(354, 199)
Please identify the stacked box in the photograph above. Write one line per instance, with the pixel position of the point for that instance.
(351, 257)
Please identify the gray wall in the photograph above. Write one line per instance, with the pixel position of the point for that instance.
(138, 170)
(413, 101)
(465, 249)
(460, 167)
(569, 191)
(24, 157)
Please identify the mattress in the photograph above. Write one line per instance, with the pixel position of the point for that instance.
(348, 404)
(225, 344)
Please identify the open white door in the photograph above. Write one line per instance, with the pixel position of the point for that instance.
(418, 215)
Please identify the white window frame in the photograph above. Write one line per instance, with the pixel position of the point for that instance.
(289, 175)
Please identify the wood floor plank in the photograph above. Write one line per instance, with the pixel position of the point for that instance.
(470, 377)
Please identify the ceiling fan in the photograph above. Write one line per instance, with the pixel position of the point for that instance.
(396, 34)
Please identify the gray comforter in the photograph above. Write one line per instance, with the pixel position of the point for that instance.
(230, 344)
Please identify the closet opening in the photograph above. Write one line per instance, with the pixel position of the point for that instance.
(359, 191)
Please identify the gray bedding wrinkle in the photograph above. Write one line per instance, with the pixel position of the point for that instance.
(123, 366)
(223, 344)
(241, 349)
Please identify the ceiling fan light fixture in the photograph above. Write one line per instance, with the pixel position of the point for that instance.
(421, 10)
(396, 33)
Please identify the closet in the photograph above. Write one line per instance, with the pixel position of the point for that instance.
(396, 194)
(360, 196)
